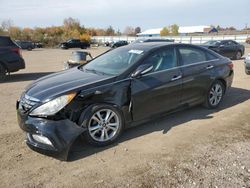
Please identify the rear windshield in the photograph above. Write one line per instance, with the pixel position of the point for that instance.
(6, 41)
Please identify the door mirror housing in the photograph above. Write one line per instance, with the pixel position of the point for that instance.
(141, 70)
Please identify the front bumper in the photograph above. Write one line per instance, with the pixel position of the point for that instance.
(60, 135)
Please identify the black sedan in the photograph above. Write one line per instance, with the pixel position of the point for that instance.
(119, 89)
(74, 43)
(119, 44)
(25, 45)
(227, 48)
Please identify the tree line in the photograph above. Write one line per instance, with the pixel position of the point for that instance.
(170, 30)
(52, 36)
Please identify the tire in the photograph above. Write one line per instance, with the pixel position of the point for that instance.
(95, 132)
(214, 95)
(247, 72)
(238, 55)
(2, 73)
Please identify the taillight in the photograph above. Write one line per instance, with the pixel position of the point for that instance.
(16, 50)
(231, 66)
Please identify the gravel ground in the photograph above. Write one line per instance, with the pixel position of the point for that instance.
(192, 148)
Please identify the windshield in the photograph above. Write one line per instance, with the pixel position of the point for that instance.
(114, 62)
(212, 43)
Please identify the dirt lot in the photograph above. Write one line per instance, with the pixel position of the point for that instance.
(191, 148)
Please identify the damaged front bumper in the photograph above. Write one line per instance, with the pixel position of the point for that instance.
(49, 137)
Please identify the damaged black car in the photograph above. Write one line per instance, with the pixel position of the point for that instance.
(119, 89)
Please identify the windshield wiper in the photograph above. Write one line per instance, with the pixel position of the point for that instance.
(96, 72)
(91, 70)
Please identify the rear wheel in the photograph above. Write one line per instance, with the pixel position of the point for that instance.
(215, 95)
(238, 55)
(104, 124)
(2, 73)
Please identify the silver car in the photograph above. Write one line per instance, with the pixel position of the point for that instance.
(247, 64)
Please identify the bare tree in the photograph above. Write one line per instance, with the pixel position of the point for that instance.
(6, 24)
(110, 31)
(71, 23)
(130, 31)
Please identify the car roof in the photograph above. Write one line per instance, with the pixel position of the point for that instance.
(148, 46)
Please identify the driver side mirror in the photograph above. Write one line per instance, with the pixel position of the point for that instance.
(141, 70)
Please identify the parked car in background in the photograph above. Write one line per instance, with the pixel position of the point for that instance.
(25, 45)
(248, 40)
(119, 44)
(119, 89)
(74, 43)
(227, 48)
(247, 64)
(10, 57)
(38, 45)
(109, 43)
(153, 40)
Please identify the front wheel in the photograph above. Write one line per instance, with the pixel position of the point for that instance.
(215, 95)
(104, 124)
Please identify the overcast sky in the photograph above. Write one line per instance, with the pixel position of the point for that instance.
(121, 13)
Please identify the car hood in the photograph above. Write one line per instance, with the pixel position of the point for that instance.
(63, 82)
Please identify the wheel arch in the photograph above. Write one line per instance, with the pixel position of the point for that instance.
(223, 81)
(4, 65)
(87, 108)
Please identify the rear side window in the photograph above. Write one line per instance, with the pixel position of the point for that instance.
(6, 41)
(195, 55)
(210, 56)
(191, 55)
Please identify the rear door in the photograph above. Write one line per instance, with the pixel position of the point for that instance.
(197, 68)
(160, 90)
(228, 48)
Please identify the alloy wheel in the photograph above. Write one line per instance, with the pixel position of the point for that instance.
(238, 55)
(215, 94)
(103, 125)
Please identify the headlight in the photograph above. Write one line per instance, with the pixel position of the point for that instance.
(53, 106)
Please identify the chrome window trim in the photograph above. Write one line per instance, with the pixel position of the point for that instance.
(199, 62)
(182, 66)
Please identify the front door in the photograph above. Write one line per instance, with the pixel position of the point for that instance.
(160, 90)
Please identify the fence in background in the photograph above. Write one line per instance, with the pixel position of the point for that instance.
(182, 39)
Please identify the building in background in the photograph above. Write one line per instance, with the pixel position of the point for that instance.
(186, 30)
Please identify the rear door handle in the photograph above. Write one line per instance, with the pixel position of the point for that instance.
(209, 67)
(176, 78)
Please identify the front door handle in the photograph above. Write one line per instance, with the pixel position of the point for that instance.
(176, 78)
(210, 67)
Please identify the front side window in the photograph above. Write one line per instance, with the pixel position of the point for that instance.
(162, 59)
(191, 55)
